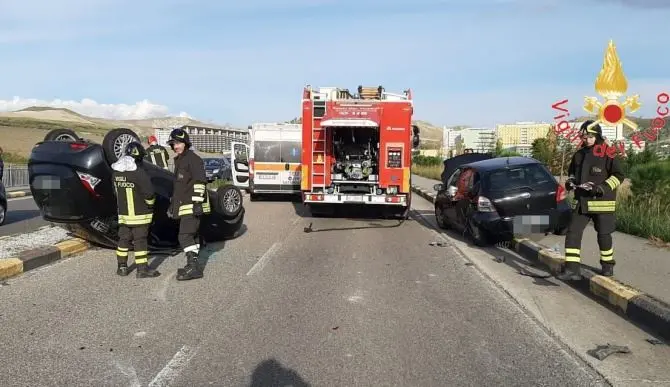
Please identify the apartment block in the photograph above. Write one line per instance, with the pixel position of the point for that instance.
(521, 134)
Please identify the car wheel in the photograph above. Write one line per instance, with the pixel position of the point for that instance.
(3, 213)
(229, 201)
(441, 219)
(479, 237)
(115, 142)
(65, 135)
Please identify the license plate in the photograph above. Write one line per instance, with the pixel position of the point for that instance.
(530, 224)
(354, 198)
(266, 176)
(46, 182)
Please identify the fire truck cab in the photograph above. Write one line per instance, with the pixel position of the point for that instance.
(357, 148)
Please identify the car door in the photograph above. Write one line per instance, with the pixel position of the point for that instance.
(239, 160)
(291, 152)
(449, 202)
(464, 201)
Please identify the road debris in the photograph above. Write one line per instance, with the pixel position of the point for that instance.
(439, 244)
(603, 351)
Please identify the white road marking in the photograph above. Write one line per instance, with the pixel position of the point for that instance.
(264, 259)
(296, 220)
(162, 292)
(128, 371)
(174, 367)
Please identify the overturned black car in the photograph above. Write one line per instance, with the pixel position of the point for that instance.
(71, 183)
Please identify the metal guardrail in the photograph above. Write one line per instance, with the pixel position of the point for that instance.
(15, 175)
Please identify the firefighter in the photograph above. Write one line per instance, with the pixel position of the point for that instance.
(157, 154)
(189, 202)
(594, 178)
(135, 199)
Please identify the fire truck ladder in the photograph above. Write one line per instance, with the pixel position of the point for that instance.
(318, 156)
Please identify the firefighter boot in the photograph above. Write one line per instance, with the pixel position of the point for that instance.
(607, 268)
(144, 271)
(573, 272)
(122, 267)
(192, 269)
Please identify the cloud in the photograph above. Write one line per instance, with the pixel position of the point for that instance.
(88, 107)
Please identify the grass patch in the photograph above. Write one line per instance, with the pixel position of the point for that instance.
(428, 171)
(14, 158)
(19, 122)
(219, 183)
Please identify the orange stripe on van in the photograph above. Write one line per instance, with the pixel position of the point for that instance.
(276, 167)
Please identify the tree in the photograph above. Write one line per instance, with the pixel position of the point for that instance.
(499, 148)
(458, 144)
(508, 153)
(543, 150)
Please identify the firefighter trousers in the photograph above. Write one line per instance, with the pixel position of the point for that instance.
(604, 224)
(135, 237)
(188, 233)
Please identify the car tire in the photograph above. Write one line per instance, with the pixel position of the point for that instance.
(440, 219)
(478, 236)
(3, 214)
(115, 143)
(65, 135)
(228, 201)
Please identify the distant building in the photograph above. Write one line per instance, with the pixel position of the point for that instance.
(521, 133)
(478, 139)
(210, 140)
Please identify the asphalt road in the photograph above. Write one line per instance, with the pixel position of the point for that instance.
(22, 216)
(355, 302)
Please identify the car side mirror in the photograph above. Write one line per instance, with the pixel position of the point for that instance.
(416, 141)
(438, 187)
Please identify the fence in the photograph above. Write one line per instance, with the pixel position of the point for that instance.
(15, 175)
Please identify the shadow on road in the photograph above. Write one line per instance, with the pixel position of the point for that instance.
(14, 216)
(270, 373)
(362, 217)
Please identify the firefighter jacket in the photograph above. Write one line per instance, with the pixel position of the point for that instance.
(158, 155)
(605, 172)
(135, 196)
(190, 184)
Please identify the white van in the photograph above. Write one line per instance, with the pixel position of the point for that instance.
(271, 163)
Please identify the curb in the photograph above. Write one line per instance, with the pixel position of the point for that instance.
(636, 305)
(18, 194)
(34, 258)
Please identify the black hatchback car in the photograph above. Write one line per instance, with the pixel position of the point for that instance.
(495, 199)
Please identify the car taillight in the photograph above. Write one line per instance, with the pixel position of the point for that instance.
(561, 194)
(251, 166)
(89, 182)
(77, 146)
(484, 204)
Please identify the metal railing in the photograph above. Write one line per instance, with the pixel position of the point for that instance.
(15, 175)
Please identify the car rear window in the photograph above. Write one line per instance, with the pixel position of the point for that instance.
(531, 175)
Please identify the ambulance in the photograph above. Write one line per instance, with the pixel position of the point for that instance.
(271, 162)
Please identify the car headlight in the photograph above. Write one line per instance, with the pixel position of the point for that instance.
(215, 171)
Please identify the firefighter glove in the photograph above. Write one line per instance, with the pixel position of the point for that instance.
(197, 209)
(570, 184)
(598, 191)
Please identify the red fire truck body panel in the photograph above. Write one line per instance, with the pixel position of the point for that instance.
(357, 149)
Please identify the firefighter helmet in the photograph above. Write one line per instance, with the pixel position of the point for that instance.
(136, 151)
(179, 135)
(152, 139)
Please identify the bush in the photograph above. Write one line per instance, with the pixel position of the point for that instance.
(427, 171)
(651, 182)
(14, 158)
(427, 160)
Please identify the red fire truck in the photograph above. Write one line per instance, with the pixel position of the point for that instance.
(357, 148)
